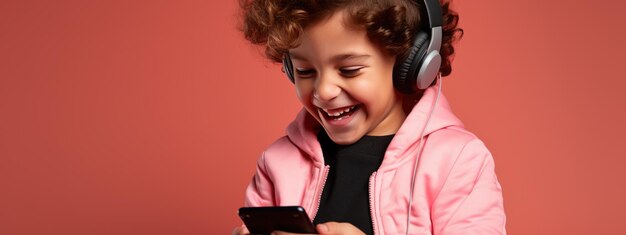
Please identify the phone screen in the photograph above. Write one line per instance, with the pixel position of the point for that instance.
(264, 220)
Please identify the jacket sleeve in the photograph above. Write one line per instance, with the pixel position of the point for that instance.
(260, 191)
(470, 201)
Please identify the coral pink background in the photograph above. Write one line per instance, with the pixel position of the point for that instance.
(146, 117)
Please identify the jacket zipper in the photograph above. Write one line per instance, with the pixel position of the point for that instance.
(318, 194)
(371, 197)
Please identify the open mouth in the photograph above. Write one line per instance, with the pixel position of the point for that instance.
(340, 113)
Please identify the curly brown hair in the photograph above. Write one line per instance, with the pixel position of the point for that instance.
(278, 24)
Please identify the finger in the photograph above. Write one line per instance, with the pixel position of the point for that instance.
(337, 228)
(241, 230)
(285, 233)
(280, 233)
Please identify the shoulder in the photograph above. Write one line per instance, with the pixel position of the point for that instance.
(283, 153)
(280, 148)
(456, 147)
(455, 138)
(460, 161)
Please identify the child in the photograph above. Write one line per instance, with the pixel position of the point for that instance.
(376, 149)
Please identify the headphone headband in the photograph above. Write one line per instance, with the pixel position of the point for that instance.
(434, 12)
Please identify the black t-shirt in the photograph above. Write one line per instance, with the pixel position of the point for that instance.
(345, 197)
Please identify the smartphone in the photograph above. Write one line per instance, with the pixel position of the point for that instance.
(264, 220)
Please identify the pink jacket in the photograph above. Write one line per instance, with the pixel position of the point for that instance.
(456, 189)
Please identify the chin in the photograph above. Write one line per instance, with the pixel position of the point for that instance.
(343, 139)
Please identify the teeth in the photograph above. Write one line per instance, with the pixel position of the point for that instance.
(339, 113)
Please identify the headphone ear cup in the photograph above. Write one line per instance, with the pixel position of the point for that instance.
(288, 68)
(405, 72)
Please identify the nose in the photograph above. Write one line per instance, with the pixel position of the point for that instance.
(326, 87)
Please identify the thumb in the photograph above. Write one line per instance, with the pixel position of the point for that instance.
(241, 230)
(337, 228)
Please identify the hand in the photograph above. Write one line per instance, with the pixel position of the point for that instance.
(241, 230)
(331, 228)
(338, 228)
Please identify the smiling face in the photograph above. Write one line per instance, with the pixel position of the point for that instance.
(345, 81)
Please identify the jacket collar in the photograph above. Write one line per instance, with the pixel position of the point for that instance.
(303, 131)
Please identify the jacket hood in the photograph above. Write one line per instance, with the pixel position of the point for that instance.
(302, 132)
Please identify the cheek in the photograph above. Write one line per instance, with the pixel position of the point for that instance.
(372, 90)
(304, 93)
(305, 96)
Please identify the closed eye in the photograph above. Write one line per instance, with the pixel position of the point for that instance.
(304, 73)
(351, 71)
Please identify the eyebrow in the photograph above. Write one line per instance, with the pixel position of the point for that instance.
(340, 57)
